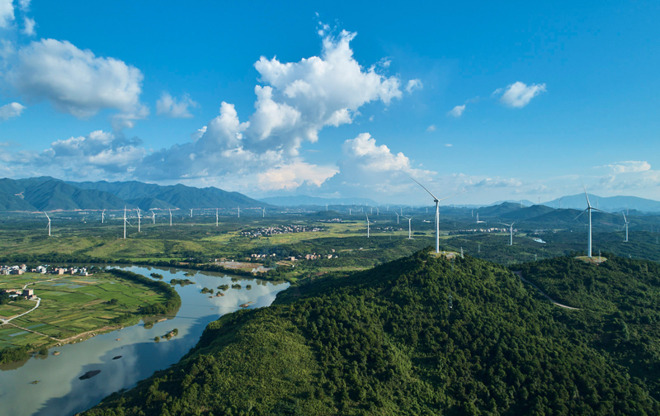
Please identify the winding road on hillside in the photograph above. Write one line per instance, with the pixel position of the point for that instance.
(519, 274)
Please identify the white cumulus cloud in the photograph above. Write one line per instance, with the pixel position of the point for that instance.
(11, 110)
(74, 80)
(457, 111)
(6, 13)
(519, 94)
(28, 26)
(629, 166)
(175, 108)
(414, 84)
(294, 175)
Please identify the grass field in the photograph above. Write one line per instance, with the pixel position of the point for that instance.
(70, 305)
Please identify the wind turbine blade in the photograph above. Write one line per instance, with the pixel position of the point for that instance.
(625, 220)
(580, 214)
(587, 196)
(424, 187)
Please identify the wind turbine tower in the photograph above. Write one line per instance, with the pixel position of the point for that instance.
(397, 216)
(625, 220)
(510, 232)
(367, 225)
(153, 217)
(409, 227)
(125, 221)
(588, 211)
(191, 212)
(139, 220)
(437, 215)
(102, 216)
(48, 222)
(263, 212)
(170, 216)
(216, 217)
(238, 212)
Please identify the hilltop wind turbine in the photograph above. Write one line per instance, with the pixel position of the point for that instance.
(437, 214)
(367, 224)
(170, 216)
(48, 222)
(102, 216)
(510, 232)
(409, 228)
(626, 222)
(588, 211)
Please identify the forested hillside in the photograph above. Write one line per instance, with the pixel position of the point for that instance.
(420, 335)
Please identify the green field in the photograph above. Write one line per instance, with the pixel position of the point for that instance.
(70, 305)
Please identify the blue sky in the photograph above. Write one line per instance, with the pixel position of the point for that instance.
(491, 101)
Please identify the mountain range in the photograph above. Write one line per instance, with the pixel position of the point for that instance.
(46, 194)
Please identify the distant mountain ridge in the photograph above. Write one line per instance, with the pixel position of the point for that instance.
(46, 194)
(610, 203)
(301, 200)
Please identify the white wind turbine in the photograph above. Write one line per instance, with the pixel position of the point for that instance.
(510, 232)
(626, 222)
(397, 216)
(48, 222)
(102, 216)
(368, 224)
(588, 211)
(153, 217)
(125, 221)
(170, 216)
(480, 222)
(437, 214)
(139, 220)
(191, 212)
(409, 227)
(263, 212)
(238, 212)
(216, 217)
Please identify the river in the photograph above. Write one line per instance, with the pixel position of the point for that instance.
(60, 391)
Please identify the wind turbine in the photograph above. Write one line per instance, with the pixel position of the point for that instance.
(191, 212)
(102, 216)
(588, 211)
(263, 212)
(625, 221)
(153, 216)
(139, 220)
(437, 215)
(216, 217)
(238, 212)
(170, 216)
(48, 222)
(125, 221)
(510, 232)
(480, 222)
(367, 224)
(397, 216)
(409, 228)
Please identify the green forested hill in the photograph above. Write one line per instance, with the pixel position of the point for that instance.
(421, 335)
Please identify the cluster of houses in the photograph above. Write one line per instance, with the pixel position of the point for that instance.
(18, 270)
(14, 294)
(284, 229)
(481, 230)
(310, 256)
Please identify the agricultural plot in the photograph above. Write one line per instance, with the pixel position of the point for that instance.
(71, 305)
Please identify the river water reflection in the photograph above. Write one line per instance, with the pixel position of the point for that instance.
(59, 390)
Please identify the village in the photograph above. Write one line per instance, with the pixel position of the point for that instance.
(284, 229)
(28, 294)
